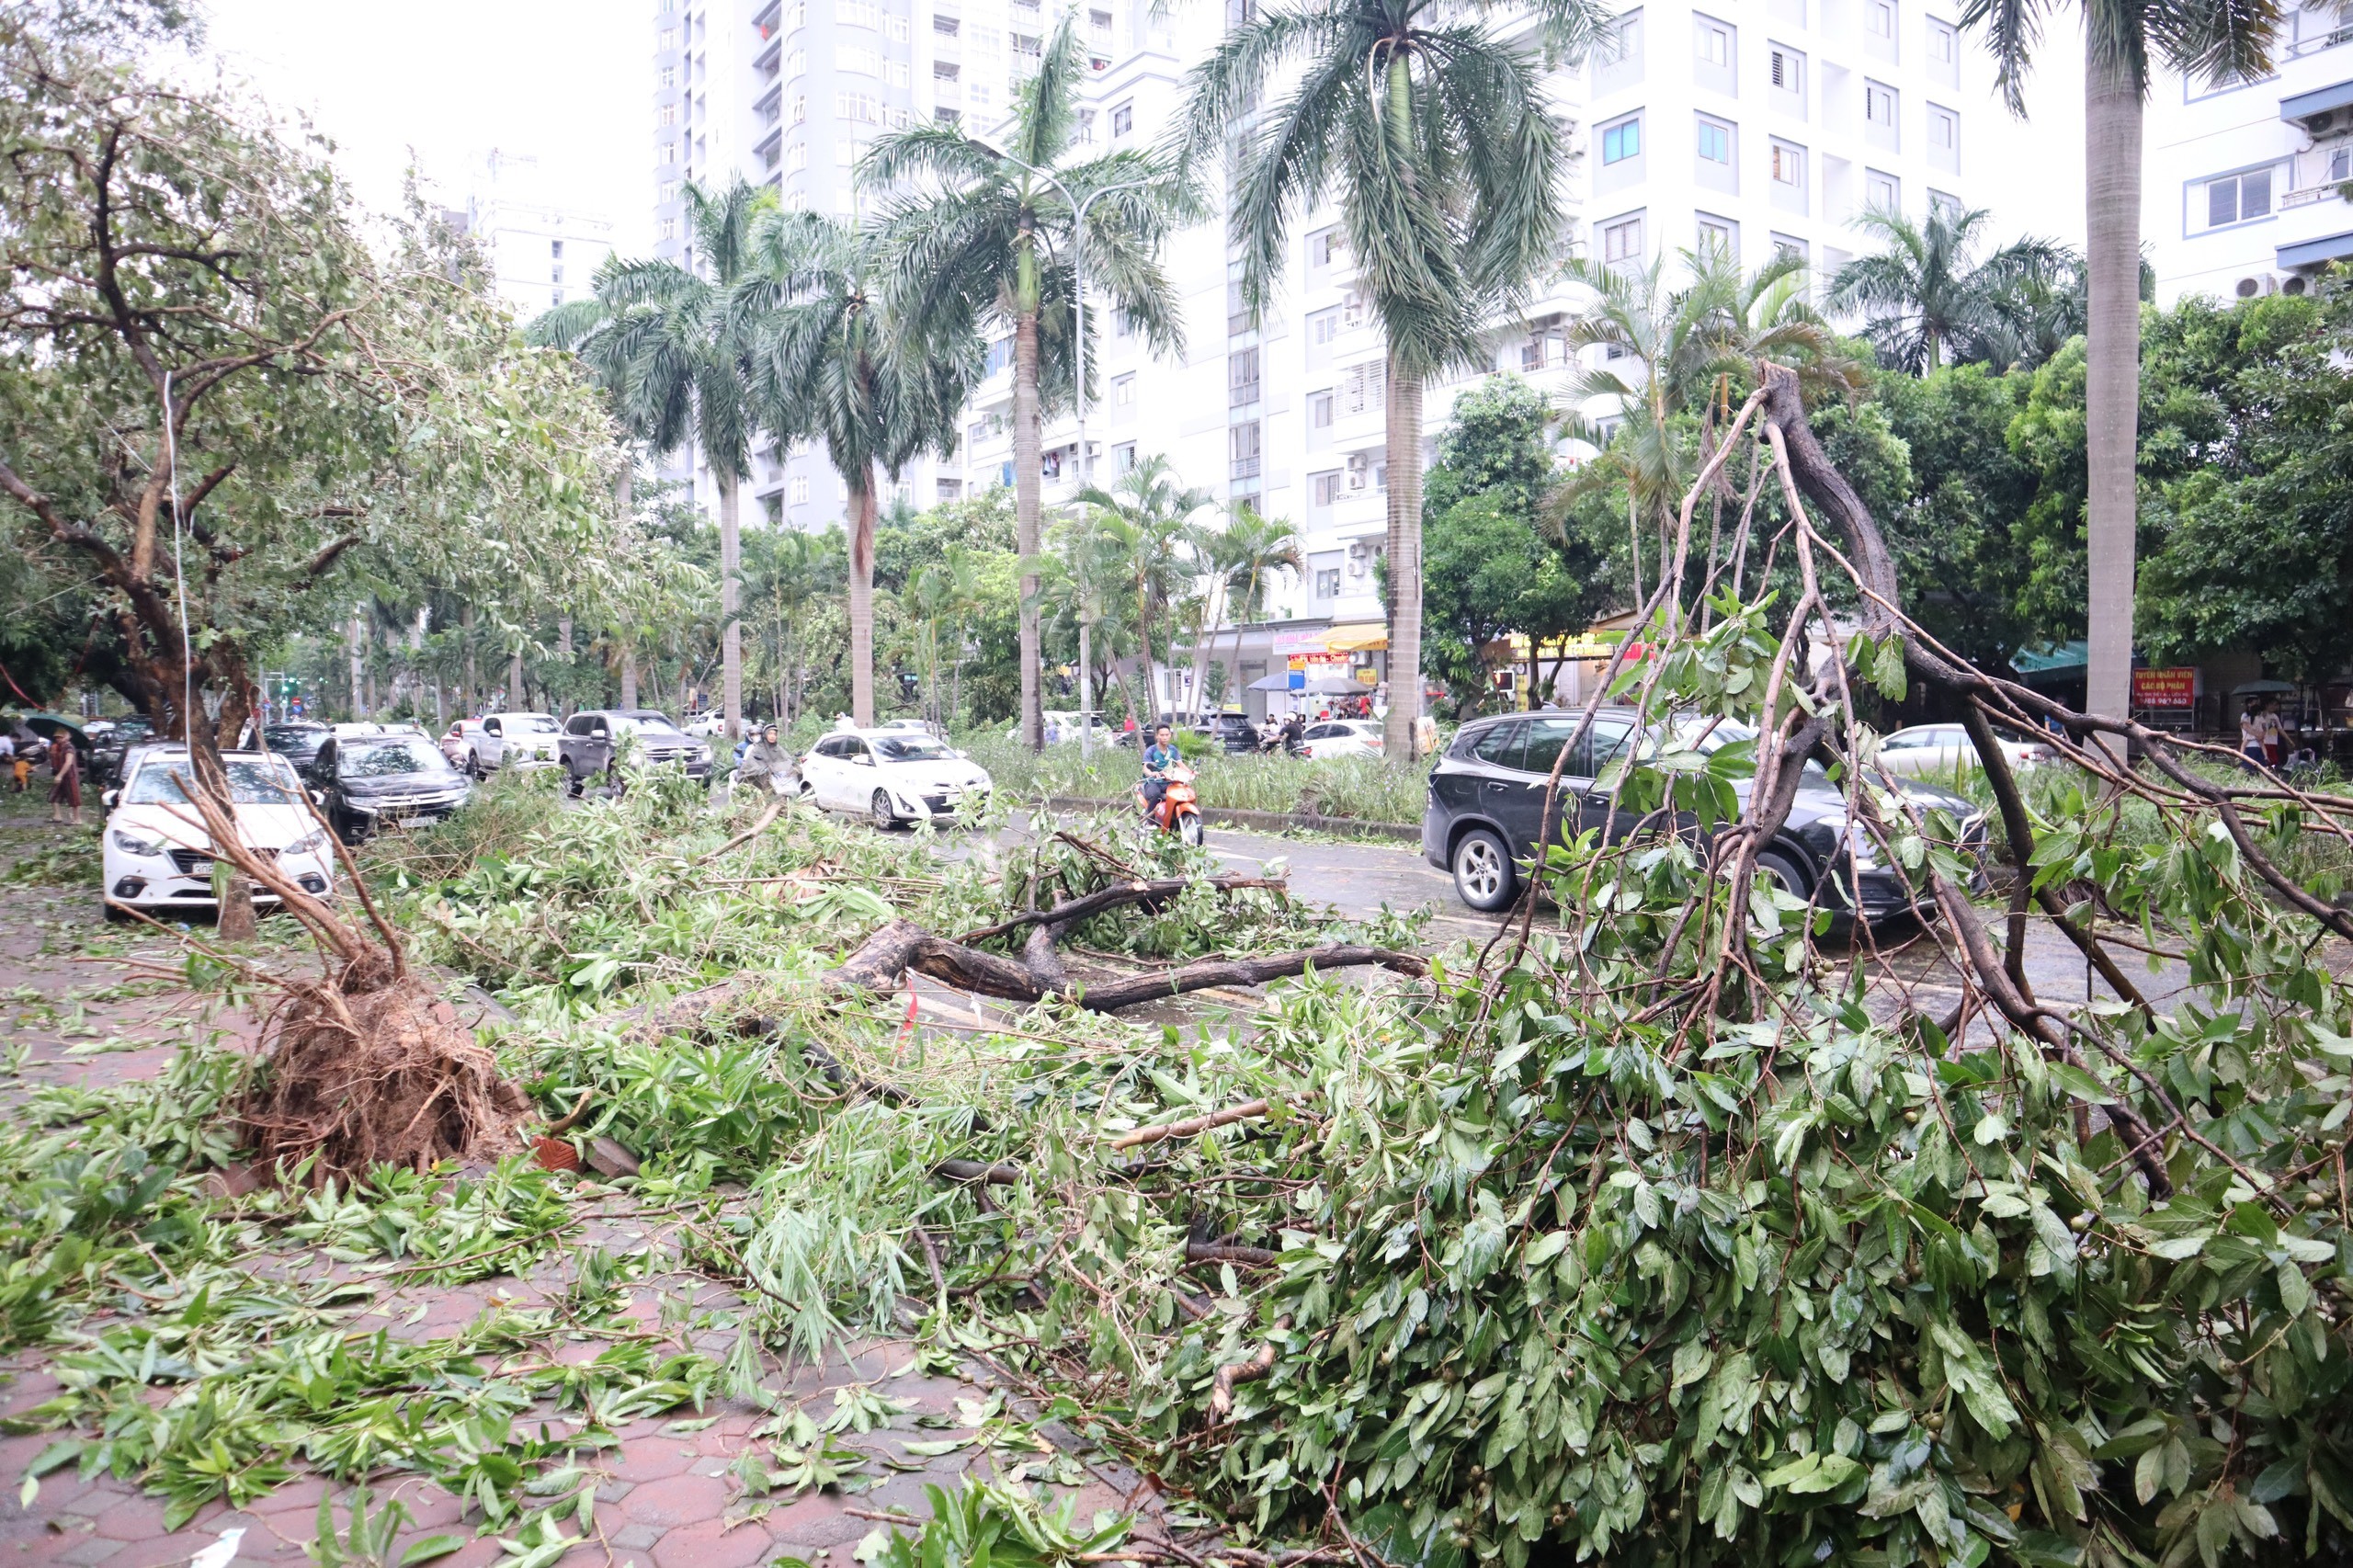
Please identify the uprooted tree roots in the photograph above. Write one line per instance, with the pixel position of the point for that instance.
(366, 1066)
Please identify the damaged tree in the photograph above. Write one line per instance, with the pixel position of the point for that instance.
(366, 1065)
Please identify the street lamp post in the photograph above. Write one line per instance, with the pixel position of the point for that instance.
(1078, 328)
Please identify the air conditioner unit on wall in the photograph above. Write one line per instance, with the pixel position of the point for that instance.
(2263, 283)
(1356, 466)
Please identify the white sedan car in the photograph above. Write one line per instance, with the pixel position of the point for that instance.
(893, 776)
(520, 739)
(158, 856)
(1340, 737)
(1938, 751)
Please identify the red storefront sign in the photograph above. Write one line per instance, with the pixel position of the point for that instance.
(2165, 688)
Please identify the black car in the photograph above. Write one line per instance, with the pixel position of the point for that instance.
(394, 779)
(1487, 792)
(589, 739)
(107, 749)
(298, 741)
(1231, 732)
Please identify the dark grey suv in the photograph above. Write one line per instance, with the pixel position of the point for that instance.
(1487, 792)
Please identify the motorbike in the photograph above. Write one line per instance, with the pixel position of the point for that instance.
(1179, 811)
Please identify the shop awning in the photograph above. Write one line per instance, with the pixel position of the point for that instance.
(2319, 101)
(2060, 663)
(1362, 637)
(2315, 253)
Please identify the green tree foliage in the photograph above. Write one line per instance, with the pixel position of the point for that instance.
(1926, 295)
(195, 334)
(1489, 565)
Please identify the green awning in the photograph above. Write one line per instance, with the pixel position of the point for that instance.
(2062, 660)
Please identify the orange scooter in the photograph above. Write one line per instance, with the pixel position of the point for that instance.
(1179, 811)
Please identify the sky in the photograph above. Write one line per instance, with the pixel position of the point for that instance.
(563, 82)
(443, 82)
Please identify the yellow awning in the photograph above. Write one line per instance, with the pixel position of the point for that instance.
(1367, 637)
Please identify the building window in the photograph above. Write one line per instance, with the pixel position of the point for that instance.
(1123, 391)
(1883, 192)
(667, 229)
(949, 489)
(1364, 387)
(800, 490)
(946, 70)
(1327, 583)
(1324, 326)
(1879, 19)
(1787, 248)
(1788, 165)
(1242, 443)
(1944, 134)
(1123, 119)
(555, 272)
(1715, 141)
(666, 39)
(1789, 70)
(1878, 104)
(555, 250)
(1324, 489)
(1620, 42)
(667, 115)
(1623, 140)
(945, 27)
(1711, 41)
(1719, 236)
(1242, 377)
(1319, 410)
(666, 155)
(2235, 199)
(1622, 241)
(1326, 246)
(1944, 43)
(666, 78)
(1123, 458)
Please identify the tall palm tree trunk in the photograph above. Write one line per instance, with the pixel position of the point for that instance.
(1086, 686)
(861, 597)
(2112, 117)
(731, 604)
(625, 503)
(1405, 564)
(1025, 501)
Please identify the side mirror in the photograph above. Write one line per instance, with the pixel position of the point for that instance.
(113, 798)
(318, 797)
(865, 760)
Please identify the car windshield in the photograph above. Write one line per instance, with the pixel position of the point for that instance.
(391, 758)
(910, 748)
(1708, 739)
(527, 724)
(286, 739)
(251, 782)
(651, 725)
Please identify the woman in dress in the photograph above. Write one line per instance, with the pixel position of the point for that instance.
(65, 787)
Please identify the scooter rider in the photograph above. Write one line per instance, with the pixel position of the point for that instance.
(765, 763)
(1158, 759)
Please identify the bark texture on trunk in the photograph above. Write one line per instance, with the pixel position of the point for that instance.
(473, 673)
(861, 599)
(1405, 564)
(628, 679)
(515, 681)
(2112, 124)
(358, 670)
(731, 604)
(1025, 502)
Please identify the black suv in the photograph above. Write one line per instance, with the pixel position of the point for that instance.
(1229, 731)
(388, 779)
(1487, 791)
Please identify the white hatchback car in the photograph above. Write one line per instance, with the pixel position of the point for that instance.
(1938, 751)
(893, 776)
(520, 739)
(157, 855)
(1340, 737)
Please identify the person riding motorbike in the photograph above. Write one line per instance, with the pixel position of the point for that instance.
(1158, 759)
(764, 763)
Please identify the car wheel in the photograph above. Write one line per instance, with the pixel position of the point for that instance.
(114, 914)
(574, 784)
(885, 819)
(1782, 872)
(1484, 877)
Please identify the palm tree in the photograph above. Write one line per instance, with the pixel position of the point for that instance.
(2216, 40)
(1246, 552)
(1926, 292)
(1435, 135)
(1081, 582)
(785, 571)
(1669, 348)
(833, 364)
(678, 343)
(981, 240)
(1145, 520)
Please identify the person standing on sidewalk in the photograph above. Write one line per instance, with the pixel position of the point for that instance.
(65, 785)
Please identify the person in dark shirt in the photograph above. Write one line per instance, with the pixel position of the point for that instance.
(1158, 759)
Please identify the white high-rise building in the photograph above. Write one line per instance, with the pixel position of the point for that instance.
(540, 252)
(2243, 186)
(789, 95)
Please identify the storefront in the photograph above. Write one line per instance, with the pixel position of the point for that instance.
(1294, 667)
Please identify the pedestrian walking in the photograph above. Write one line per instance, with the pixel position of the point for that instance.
(65, 787)
(2274, 733)
(23, 744)
(2251, 732)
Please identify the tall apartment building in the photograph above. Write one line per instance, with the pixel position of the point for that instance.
(540, 252)
(2243, 187)
(1762, 130)
(789, 95)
